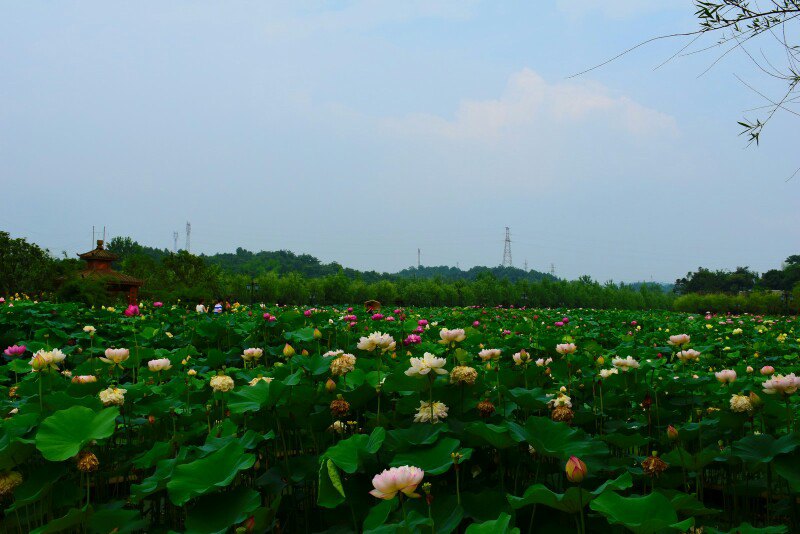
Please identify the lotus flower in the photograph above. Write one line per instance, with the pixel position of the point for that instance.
(116, 356)
(15, 350)
(726, 376)
(426, 364)
(396, 480)
(455, 335)
(161, 364)
(678, 340)
(566, 348)
(785, 385)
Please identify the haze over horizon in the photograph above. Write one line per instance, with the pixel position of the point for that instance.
(358, 132)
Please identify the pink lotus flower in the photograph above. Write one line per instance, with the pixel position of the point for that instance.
(158, 304)
(476, 324)
(680, 339)
(566, 348)
(396, 480)
(559, 323)
(308, 313)
(785, 385)
(15, 350)
(726, 376)
(422, 322)
(350, 310)
(390, 318)
(398, 311)
(767, 370)
(377, 317)
(412, 339)
(419, 330)
(565, 320)
(131, 310)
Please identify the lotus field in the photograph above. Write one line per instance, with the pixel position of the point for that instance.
(158, 419)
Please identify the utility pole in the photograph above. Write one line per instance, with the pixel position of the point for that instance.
(507, 250)
(174, 242)
(188, 236)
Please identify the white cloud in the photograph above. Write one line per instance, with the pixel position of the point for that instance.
(530, 103)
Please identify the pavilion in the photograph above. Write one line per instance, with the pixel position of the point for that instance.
(98, 266)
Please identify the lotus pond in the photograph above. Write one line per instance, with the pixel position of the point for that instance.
(159, 419)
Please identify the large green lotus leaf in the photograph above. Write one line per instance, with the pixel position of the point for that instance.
(315, 364)
(571, 500)
(158, 451)
(216, 470)
(158, 480)
(379, 513)
(642, 515)
(116, 519)
(250, 398)
(557, 439)
(788, 468)
(680, 457)
(530, 399)
(217, 512)
(66, 432)
(686, 504)
(498, 436)
(331, 491)
(349, 453)
(434, 460)
(413, 436)
(69, 522)
(763, 448)
(36, 485)
(501, 525)
(303, 335)
(747, 528)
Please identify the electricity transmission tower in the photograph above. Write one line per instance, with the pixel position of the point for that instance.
(188, 236)
(174, 242)
(418, 258)
(525, 266)
(507, 250)
(552, 269)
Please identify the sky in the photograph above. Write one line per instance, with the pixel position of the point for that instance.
(360, 131)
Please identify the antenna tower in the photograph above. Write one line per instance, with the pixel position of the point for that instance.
(188, 236)
(552, 269)
(525, 265)
(507, 250)
(174, 242)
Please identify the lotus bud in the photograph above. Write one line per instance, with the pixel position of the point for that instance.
(38, 362)
(304, 352)
(330, 385)
(576, 470)
(317, 334)
(600, 360)
(672, 433)
(288, 351)
(755, 400)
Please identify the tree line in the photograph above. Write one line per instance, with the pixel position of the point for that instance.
(286, 278)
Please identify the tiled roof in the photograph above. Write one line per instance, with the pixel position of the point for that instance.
(112, 277)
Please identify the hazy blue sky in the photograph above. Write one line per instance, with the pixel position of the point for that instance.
(359, 131)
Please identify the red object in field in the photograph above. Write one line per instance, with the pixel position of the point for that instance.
(98, 266)
(372, 305)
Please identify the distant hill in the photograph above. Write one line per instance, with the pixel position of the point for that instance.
(244, 261)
